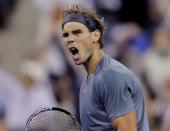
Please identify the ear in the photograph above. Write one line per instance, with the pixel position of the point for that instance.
(96, 36)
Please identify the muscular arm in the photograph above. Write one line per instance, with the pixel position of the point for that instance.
(126, 122)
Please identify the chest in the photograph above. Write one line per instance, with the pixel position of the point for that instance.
(86, 91)
(89, 99)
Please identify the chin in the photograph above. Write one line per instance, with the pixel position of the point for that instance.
(78, 62)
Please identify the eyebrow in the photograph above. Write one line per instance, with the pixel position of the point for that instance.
(77, 31)
(66, 34)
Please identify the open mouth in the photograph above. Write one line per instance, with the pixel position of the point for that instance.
(73, 50)
(75, 53)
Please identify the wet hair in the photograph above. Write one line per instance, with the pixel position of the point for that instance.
(88, 17)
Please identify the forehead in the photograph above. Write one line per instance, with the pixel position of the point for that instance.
(70, 26)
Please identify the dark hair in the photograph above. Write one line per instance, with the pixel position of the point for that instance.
(92, 20)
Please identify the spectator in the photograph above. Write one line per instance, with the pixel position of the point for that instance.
(156, 72)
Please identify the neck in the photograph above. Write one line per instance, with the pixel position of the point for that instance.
(93, 61)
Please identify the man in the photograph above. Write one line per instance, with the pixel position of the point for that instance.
(111, 97)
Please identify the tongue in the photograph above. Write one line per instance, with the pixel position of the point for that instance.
(76, 56)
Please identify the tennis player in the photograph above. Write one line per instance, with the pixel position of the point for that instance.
(111, 97)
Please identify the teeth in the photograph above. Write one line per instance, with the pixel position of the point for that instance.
(72, 48)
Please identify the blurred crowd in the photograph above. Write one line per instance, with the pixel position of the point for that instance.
(137, 35)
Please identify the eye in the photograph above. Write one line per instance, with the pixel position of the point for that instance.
(65, 35)
(76, 32)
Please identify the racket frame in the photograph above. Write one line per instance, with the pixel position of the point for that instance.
(51, 109)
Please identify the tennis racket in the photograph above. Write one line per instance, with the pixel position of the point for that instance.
(52, 119)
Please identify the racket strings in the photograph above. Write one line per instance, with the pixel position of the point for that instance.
(52, 121)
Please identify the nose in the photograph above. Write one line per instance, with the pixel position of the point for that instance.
(70, 39)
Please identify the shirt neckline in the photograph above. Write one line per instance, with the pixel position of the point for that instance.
(99, 65)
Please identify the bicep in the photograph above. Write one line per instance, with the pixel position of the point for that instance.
(126, 122)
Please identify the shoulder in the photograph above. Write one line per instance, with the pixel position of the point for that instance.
(114, 73)
(109, 81)
(114, 67)
(114, 76)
